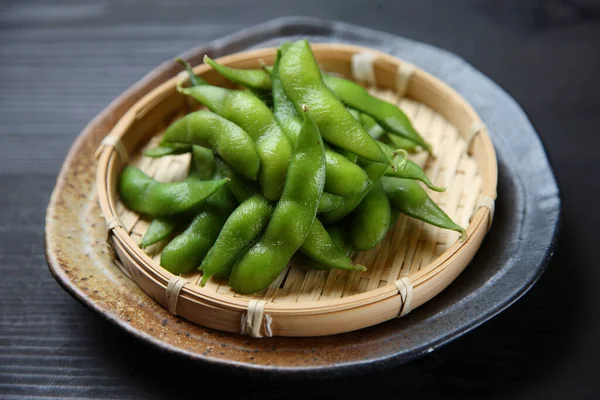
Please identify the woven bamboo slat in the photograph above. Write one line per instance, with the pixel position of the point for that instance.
(306, 302)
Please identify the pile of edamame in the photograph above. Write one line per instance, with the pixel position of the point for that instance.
(298, 163)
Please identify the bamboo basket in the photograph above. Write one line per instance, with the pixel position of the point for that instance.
(410, 266)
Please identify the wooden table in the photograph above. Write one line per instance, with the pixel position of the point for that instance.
(61, 62)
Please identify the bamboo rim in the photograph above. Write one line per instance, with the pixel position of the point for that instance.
(426, 283)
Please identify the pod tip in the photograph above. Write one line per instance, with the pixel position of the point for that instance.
(204, 280)
(436, 188)
(360, 268)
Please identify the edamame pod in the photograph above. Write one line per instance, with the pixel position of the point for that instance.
(374, 172)
(187, 250)
(329, 202)
(255, 118)
(144, 195)
(242, 227)
(292, 218)
(201, 167)
(302, 81)
(341, 237)
(251, 78)
(377, 132)
(405, 168)
(241, 187)
(207, 129)
(203, 160)
(371, 219)
(342, 175)
(159, 229)
(411, 199)
(320, 247)
(389, 116)
(401, 143)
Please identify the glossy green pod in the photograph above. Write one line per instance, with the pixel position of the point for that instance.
(302, 81)
(251, 78)
(370, 221)
(398, 142)
(241, 229)
(255, 118)
(343, 176)
(329, 202)
(203, 161)
(202, 167)
(374, 172)
(405, 168)
(389, 116)
(292, 218)
(144, 195)
(408, 197)
(187, 250)
(377, 132)
(320, 247)
(241, 187)
(228, 140)
(340, 235)
(160, 229)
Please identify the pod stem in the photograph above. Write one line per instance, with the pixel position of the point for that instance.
(400, 158)
(433, 187)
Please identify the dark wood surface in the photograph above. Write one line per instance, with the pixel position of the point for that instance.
(61, 62)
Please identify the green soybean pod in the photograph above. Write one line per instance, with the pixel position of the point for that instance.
(241, 187)
(374, 172)
(340, 235)
(187, 250)
(203, 160)
(242, 228)
(371, 219)
(159, 229)
(207, 129)
(401, 143)
(329, 202)
(256, 79)
(202, 167)
(302, 81)
(343, 176)
(390, 117)
(292, 218)
(377, 132)
(144, 195)
(405, 168)
(255, 118)
(320, 247)
(411, 199)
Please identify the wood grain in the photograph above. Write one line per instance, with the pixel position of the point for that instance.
(62, 61)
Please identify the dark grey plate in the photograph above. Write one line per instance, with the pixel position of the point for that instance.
(511, 259)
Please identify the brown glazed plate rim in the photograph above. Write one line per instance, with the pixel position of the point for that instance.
(525, 230)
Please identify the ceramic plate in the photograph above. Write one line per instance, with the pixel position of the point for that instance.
(512, 257)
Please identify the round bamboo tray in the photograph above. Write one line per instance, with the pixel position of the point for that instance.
(413, 264)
